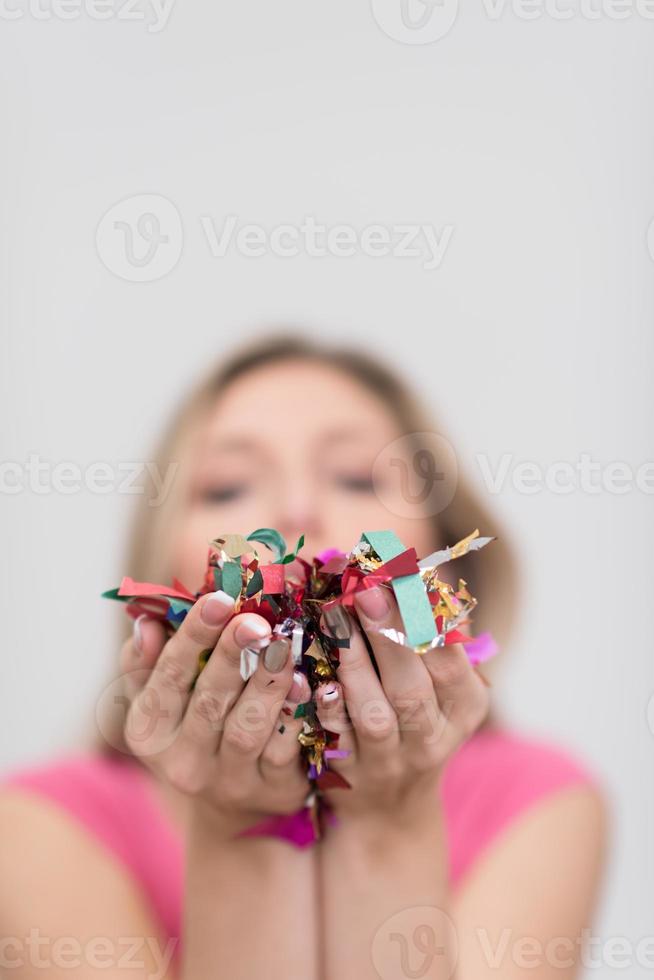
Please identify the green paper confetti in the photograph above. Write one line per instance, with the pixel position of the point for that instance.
(232, 579)
(271, 539)
(415, 608)
(255, 584)
(289, 558)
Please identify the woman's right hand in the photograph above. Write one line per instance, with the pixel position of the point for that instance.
(223, 741)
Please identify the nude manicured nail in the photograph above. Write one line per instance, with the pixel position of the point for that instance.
(373, 603)
(250, 630)
(138, 633)
(330, 695)
(298, 689)
(339, 622)
(276, 655)
(260, 644)
(216, 608)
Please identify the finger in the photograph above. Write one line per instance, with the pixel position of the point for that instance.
(461, 693)
(281, 754)
(281, 750)
(250, 723)
(332, 714)
(159, 707)
(220, 684)
(299, 693)
(374, 721)
(331, 710)
(402, 671)
(404, 677)
(140, 653)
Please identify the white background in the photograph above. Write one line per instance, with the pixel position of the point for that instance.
(532, 139)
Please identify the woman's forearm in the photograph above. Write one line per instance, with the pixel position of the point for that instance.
(385, 900)
(249, 907)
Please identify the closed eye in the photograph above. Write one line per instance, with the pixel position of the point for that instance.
(357, 484)
(224, 494)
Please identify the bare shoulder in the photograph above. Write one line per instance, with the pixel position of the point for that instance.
(538, 886)
(36, 834)
(566, 831)
(58, 880)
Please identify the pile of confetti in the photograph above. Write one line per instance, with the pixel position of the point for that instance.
(291, 594)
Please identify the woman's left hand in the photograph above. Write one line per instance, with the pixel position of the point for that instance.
(400, 727)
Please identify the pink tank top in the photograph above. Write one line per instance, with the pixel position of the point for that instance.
(488, 783)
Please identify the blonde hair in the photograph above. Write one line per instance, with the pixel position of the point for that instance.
(492, 576)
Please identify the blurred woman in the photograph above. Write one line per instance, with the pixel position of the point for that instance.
(474, 849)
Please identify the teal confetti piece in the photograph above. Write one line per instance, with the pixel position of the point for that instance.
(287, 559)
(414, 605)
(179, 605)
(232, 579)
(255, 584)
(271, 539)
(113, 594)
(272, 602)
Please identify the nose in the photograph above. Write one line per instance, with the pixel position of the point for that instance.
(298, 508)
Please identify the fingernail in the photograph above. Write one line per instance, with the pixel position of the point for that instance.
(249, 630)
(331, 694)
(138, 633)
(276, 655)
(339, 622)
(258, 645)
(216, 608)
(294, 696)
(373, 603)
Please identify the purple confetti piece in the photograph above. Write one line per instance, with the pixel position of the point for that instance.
(481, 648)
(296, 828)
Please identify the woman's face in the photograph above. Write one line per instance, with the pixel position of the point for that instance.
(291, 446)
